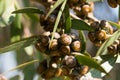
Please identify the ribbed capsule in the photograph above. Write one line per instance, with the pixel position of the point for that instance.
(76, 45)
(100, 35)
(112, 49)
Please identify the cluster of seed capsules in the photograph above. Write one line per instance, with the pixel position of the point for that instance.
(61, 52)
(102, 31)
(115, 47)
(113, 3)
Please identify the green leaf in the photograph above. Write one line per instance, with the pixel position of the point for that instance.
(17, 45)
(57, 20)
(80, 25)
(103, 49)
(85, 60)
(54, 7)
(67, 19)
(114, 24)
(108, 62)
(21, 65)
(83, 41)
(2, 6)
(29, 10)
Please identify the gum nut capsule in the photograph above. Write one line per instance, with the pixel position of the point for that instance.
(74, 1)
(97, 42)
(112, 3)
(100, 35)
(118, 2)
(42, 20)
(50, 73)
(40, 47)
(76, 46)
(55, 53)
(51, 19)
(117, 42)
(65, 49)
(54, 45)
(65, 39)
(44, 40)
(91, 36)
(70, 61)
(65, 71)
(102, 24)
(58, 72)
(86, 8)
(112, 49)
(84, 70)
(42, 67)
(95, 25)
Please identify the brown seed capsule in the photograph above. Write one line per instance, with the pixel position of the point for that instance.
(65, 71)
(70, 61)
(112, 49)
(58, 72)
(95, 25)
(112, 3)
(51, 19)
(118, 2)
(100, 35)
(40, 47)
(42, 67)
(42, 20)
(65, 39)
(102, 24)
(91, 36)
(86, 8)
(49, 73)
(76, 46)
(55, 53)
(84, 70)
(44, 40)
(65, 50)
(97, 42)
(54, 45)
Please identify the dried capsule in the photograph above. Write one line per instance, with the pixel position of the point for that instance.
(54, 45)
(76, 46)
(65, 39)
(42, 67)
(102, 24)
(55, 53)
(42, 20)
(112, 49)
(86, 8)
(44, 40)
(65, 49)
(40, 47)
(51, 19)
(65, 71)
(84, 70)
(91, 36)
(98, 42)
(70, 61)
(112, 3)
(95, 25)
(100, 35)
(58, 72)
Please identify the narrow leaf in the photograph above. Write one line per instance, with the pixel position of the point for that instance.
(80, 25)
(28, 10)
(103, 49)
(54, 7)
(19, 44)
(57, 20)
(85, 60)
(114, 24)
(21, 65)
(83, 41)
(67, 20)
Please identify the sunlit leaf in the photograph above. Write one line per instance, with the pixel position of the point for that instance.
(29, 10)
(80, 25)
(103, 49)
(114, 24)
(83, 41)
(17, 45)
(67, 20)
(85, 60)
(6, 17)
(54, 7)
(57, 20)
(2, 6)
